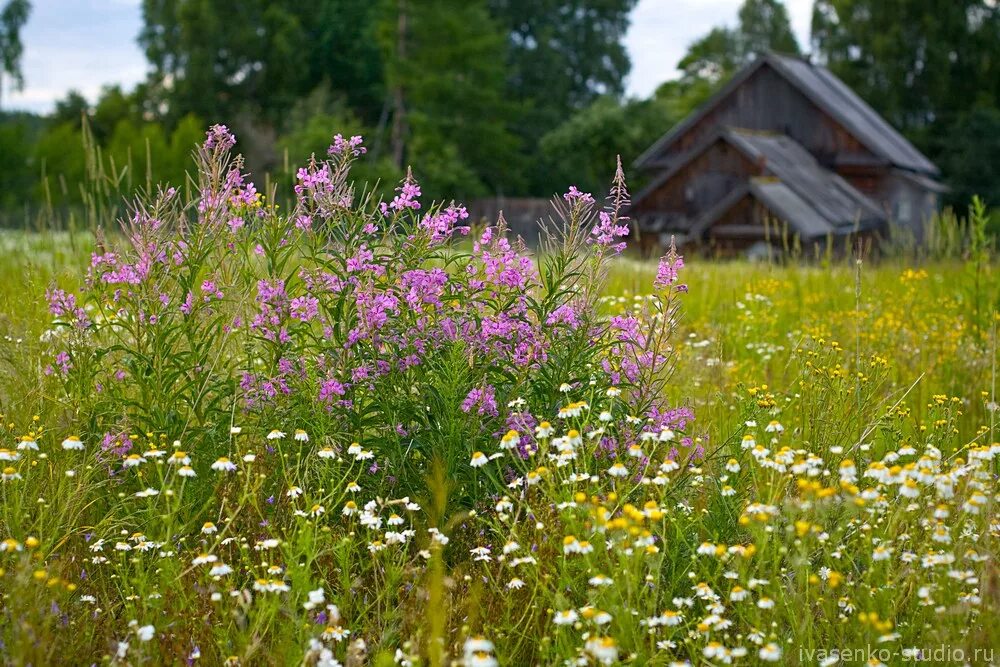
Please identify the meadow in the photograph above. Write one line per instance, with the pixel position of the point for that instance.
(367, 432)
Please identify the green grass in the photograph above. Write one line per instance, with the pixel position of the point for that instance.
(858, 363)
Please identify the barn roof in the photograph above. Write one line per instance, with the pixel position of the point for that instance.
(805, 184)
(833, 198)
(828, 93)
(785, 204)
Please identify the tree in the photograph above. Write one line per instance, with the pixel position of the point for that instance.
(444, 64)
(12, 18)
(561, 56)
(971, 158)
(583, 149)
(763, 26)
(218, 59)
(921, 63)
(345, 54)
(932, 69)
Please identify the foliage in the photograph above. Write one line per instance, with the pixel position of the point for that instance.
(763, 25)
(453, 109)
(591, 139)
(931, 70)
(560, 58)
(13, 16)
(339, 315)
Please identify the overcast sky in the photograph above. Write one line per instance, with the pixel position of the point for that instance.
(84, 44)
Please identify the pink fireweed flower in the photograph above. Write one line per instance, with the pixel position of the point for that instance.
(409, 191)
(63, 304)
(484, 399)
(340, 146)
(444, 223)
(575, 196)
(606, 233)
(305, 308)
(219, 137)
(670, 265)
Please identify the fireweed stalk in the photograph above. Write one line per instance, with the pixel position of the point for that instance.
(355, 319)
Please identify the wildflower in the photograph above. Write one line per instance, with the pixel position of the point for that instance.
(27, 442)
(618, 470)
(316, 598)
(293, 492)
(575, 196)
(317, 510)
(881, 553)
(9, 474)
(774, 427)
(275, 435)
(187, 471)
(544, 430)
(770, 652)
(567, 617)
(604, 649)
(350, 508)
(335, 632)
(301, 436)
(220, 570)
(208, 528)
(668, 269)
(510, 440)
(145, 633)
(133, 460)
(203, 559)
(179, 458)
(327, 453)
(249, 458)
(71, 443)
(515, 584)
(600, 580)
(223, 464)
(478, 460)
(10, 544)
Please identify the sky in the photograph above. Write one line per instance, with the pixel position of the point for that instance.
(85, 44)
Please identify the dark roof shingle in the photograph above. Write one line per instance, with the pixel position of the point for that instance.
(828, 93)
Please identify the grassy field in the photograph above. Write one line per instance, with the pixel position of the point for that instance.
(791, 464)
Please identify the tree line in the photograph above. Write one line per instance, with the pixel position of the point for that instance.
(483, 97)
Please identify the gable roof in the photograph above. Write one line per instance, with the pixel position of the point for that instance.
(829, 196)
(833, 198)
(828, 93)
(800, 214)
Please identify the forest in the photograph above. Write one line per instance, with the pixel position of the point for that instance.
(489, 97)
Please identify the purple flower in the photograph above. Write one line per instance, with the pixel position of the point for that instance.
(219, 137)
(484, 398)
(606, 233)
(575, 196)
(341, 146)
(670, 265)
(305, 308)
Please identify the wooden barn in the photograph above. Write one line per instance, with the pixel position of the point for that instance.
(785, 149)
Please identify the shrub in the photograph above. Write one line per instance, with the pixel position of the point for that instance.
(352, 319)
